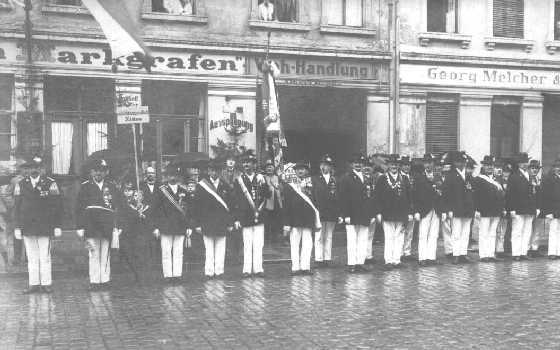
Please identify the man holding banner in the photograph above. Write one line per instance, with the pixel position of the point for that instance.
(213, 218)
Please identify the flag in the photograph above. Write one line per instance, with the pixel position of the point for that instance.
(118, 20)
(275, 139)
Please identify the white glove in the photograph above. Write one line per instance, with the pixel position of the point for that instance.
(156, 233)
(287, 229)
(379, 218)
(550, 216)
(347, 220)
(340, 220)
(450, 215)
(237, 225)
(17, 233)
(410, 217)
(504, 213)
(372, 221)
(512, 213)
(57, 232)
(80, 233)
(198, 230)
(188, 233)
(477, 214)
(417, 216)
(117, 231)
(538, 212)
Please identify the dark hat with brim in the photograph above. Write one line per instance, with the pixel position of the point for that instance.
(405, 160)
(358, 158)
(98, 164)
(34, 162)
(173, 170)
(393, 159)
(488, 160)
(327, 159)
(522, 158)
(534, 163)
(301, 165)
(456, 157)
(251, 158)
(214, 164)
(428, 158)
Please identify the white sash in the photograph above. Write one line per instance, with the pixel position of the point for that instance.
(246, 193)
(492, 181)
(310, 203)
(204, 184)
(168, 195)
(99, 207)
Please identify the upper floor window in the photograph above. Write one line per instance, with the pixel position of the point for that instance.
(508, 21)
(5, 4)
(175, 7)
(344, 12)
(278, 10)
(6, 88)
(66, 2)
(557, 20)
(442, 16)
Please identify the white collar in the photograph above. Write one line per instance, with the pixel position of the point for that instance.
(174, 188)
(524, 173)
(216, 182)
(35, 181)
(327, 177)
(393, 177)
(251, 177)
(99, 184)
(359, 175)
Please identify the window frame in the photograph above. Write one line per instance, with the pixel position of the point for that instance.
(302, 24)
(368, 27)
(491, 22)
(457, 17)
(50, 6)
(11, 134)
(200, 16)
(7, 6)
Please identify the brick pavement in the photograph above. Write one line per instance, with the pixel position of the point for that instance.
(509, 305)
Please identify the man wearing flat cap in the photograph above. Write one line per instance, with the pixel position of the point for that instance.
(250, 194)
(458, 205)
(394, 209)
(521, 203)
(173, 222)
(301, 218)
(325, 192)
(97, 205)
(38, 217)
(489, 202)
(356, 213)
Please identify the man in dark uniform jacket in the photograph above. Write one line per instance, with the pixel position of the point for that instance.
(458, 204)
(301, 218)
(405, 165)
(394, 209)
(551, 209)
(149, 189)
(425, 198)
(371, 174)
(251, 192)
(325, 193)
(214, 219)
(98, 201)
(489, 205)
(38, 216)
(356, 213)
(521, 203)
(173, 221)
(538, 229)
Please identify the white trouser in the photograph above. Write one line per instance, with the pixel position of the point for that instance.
(301, 258)
(408, 234)
(428, 231)
(99, 260)
(554, 238)
(172, 255)
(215, 248)
(38, 250)
(501, 234)
(537, 233)
(323, 241)
(460, 229)
(447, 239)
(521, 229)
(253, 242)
(394, 237)
(487, 232)
(371, 235)
(356, 244)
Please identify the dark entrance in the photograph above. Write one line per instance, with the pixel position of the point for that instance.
(551, 130)
(323, 120)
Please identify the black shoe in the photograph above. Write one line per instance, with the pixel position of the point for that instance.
(246, 275)
(496, 259)
(398, 266)
(295, 273)
(435, 262)
(32, 290)
(370, 261)
(208, 277)
(464, 259)
(389, 267)
(327, 263)
(319, 264)
(525, 257)
(423, 263)
(362, 268)
(450, 255)
(46, 289)
(307, 272)
(552, 257)
(408, 258)
(352, 268)
(500, 255)
(516, 258)
(485, 260)
(456, 260)
(535, 254)
(259, 275)
(93, 286)
(105, 286)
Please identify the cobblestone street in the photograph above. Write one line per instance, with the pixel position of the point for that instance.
(509, 305)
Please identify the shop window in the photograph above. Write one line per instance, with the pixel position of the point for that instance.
(442, 16)
(344, 12)
(508, 21)
(504, 127)
(6, 88)
(442, 113)
(80, 113)
(557, 20)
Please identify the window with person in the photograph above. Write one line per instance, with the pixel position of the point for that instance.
(278, 10)
(175, 7)
(344, 12)
(442, 16)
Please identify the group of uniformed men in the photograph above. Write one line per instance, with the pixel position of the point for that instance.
(434, 194)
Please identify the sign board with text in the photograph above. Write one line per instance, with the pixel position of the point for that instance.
(480, 77)
(134, 115)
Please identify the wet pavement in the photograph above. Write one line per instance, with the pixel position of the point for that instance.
(507, 305)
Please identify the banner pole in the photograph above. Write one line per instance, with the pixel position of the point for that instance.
(133, 126)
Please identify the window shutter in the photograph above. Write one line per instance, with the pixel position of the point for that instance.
(442, 124)
(436, 15)
(508, 18)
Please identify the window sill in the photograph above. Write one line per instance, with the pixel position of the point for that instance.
(552, 46)
(297, 27)
(6, 7)
(66, 9)
(461, 39)
(339, 29)
(155, 16)
(526, 45)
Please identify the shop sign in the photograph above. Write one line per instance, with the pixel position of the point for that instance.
(480, 77)
(333, 69)
(233, 121)
(130, 109)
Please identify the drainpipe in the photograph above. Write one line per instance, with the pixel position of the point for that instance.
(394, 23)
